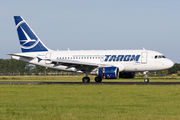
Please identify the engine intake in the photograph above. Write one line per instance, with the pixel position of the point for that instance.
(108, 72)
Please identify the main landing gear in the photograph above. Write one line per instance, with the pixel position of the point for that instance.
(146, 80)
(87, 79)
(98, 79)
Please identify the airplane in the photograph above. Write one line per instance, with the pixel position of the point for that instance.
(104, 64)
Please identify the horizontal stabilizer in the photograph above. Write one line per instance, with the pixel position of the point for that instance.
(26, 56)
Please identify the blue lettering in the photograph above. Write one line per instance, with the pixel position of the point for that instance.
(113, 57)
(126, 58)
(119, 57)
(135, 58)
(107, 57)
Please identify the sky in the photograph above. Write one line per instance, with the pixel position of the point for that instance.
(95, 25)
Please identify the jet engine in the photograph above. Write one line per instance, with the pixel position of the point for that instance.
(108, 72)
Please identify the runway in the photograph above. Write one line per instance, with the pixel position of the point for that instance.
(90, 83)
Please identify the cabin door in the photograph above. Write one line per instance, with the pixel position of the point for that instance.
(144, 57)
(48, 58)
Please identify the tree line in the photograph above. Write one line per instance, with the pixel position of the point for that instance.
(15, 67)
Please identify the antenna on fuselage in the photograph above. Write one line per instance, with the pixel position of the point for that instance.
(144, 48)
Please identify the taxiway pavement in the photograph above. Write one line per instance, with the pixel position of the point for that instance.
(90, 83)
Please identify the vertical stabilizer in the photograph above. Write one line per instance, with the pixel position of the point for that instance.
(29, 41)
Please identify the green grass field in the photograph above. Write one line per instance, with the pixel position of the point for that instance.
(88, 102)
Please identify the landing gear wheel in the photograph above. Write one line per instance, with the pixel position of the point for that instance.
(98, 79)
(86, 79)
(146, 80)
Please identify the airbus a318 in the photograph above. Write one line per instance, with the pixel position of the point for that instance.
(104, 64)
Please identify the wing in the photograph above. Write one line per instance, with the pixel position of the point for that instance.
(83, 66)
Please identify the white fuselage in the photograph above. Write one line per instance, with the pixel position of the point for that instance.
(125, 60)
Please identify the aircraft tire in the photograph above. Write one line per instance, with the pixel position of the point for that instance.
(98, 79)
(146, 80)
(86, 79)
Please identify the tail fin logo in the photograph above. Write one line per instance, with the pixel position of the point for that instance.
(29, 41)
(27, 38)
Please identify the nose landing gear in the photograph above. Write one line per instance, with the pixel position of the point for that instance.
(146, 80)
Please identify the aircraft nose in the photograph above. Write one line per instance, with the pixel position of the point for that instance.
(170, 64)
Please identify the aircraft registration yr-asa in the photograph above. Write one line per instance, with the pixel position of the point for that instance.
(104, 64)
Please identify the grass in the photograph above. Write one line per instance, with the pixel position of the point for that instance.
(81, 102)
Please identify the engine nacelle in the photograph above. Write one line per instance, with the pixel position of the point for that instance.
(108, 72)
(126, 74)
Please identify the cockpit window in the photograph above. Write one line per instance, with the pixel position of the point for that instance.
(159, 56)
